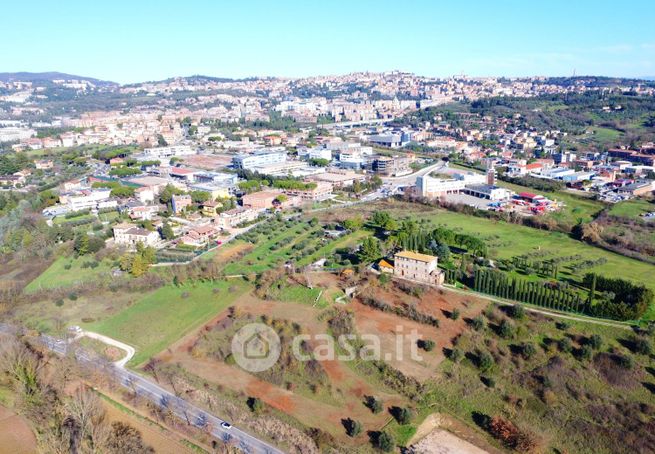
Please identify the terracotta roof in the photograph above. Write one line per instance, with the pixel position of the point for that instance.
(415, 256)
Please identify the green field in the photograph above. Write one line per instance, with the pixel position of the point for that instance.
(64, 219)
(345, 241)
(263, 257)
(58, 276)
(632, 208)
(159, 319)
(606, 135)
(509, 240)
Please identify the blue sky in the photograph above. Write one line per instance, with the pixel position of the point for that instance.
(137, 40)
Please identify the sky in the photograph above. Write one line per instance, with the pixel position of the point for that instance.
(140, 40)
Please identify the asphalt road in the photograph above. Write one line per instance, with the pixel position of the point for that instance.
(166, 400)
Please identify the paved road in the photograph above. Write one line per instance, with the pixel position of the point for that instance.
(145, 388)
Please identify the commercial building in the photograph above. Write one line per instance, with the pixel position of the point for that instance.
(487, 191)
(259, 158)
(339, 178)
(636, 189)
(395, 166)
(428, 186)
(417, 267)
(166, 152)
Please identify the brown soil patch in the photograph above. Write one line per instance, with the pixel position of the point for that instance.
(231, 251)
(312, 413)
(16, 436)
(437, 303)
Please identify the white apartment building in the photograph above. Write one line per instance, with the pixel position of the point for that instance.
(85, 199)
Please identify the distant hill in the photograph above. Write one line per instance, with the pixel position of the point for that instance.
(49, 77)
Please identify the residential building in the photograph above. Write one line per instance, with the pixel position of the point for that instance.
(260, 200)
(180, 202)
(209, 208)
(417, 267)
(144, 212)
(199, 236)
(144, 194)
(130, 235)
(321, 191)
(232, 218)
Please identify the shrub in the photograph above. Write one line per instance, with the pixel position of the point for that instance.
(403, 415)
(506, 329)
(353, 428)
(455, 355)
(427, 345)
(641, 345)
(384, 442)
(255, 404)
(511, 436)
(454, 314)
(490, 382)
(586, 352)
(595, 341)
(625, 361)
(374, 404)
(59, 302)
(564, 345)
(528, 350)
(478, 323)
(517, 311)
(484, 361)
(562, 326)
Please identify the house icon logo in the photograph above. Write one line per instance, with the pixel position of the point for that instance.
(256, 347)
